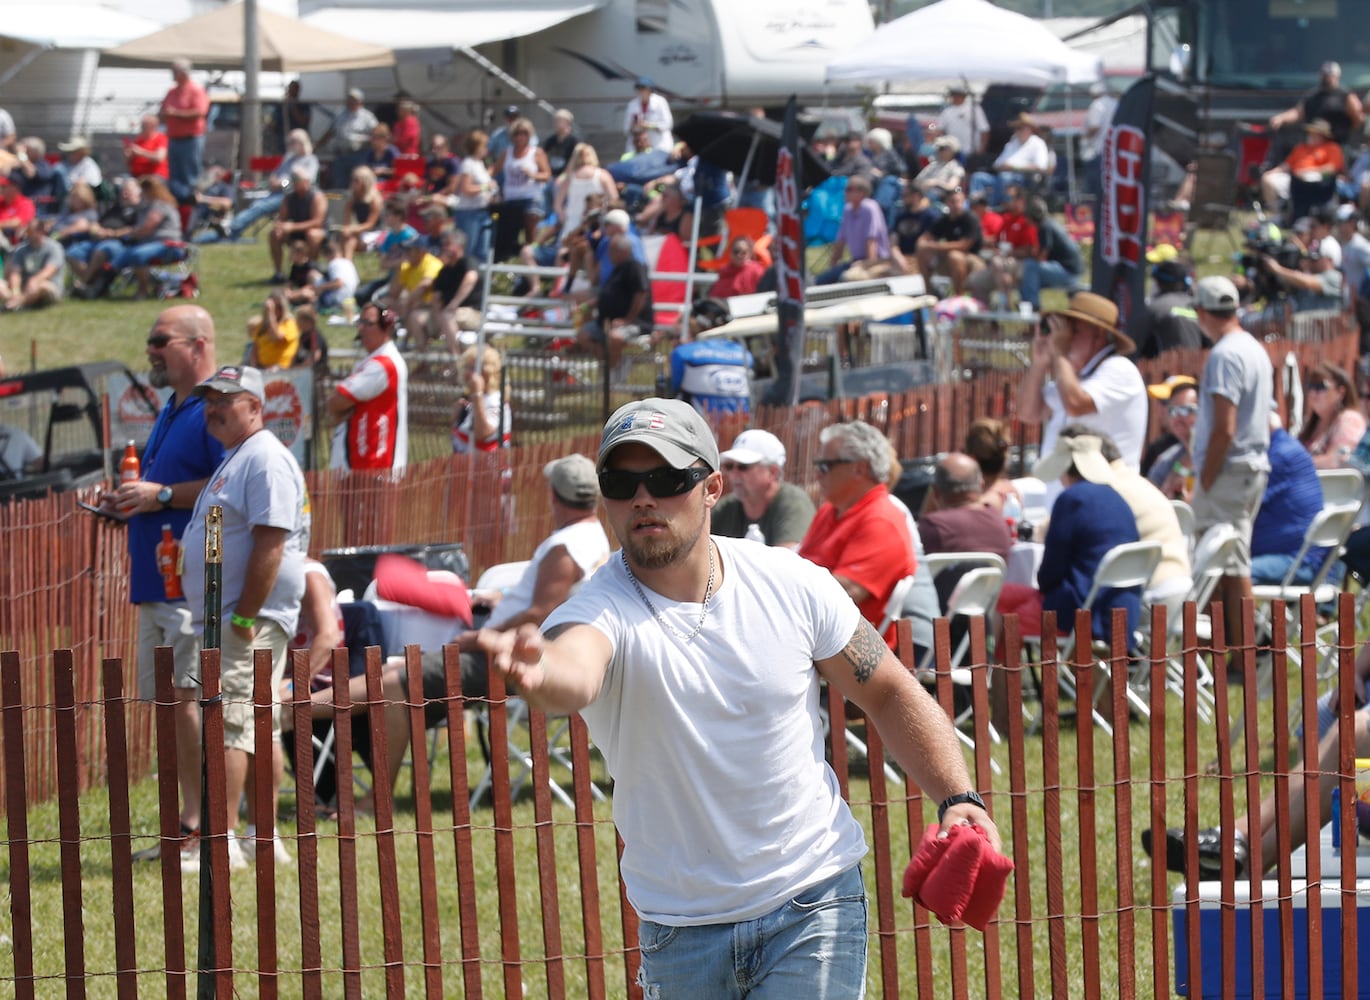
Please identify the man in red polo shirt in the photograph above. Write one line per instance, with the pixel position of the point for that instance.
(998, 283)
(859, 534)
(146, 152)
(184, 110)
(369, 410)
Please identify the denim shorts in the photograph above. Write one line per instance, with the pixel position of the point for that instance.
(813, 946)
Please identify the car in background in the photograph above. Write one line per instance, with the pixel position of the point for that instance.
(65, 428)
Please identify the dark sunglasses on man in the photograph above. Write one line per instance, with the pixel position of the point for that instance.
(662, 482)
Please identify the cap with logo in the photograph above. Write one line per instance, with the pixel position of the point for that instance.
(755, 445)
(672, 428)
(235, 378)
(573, 478)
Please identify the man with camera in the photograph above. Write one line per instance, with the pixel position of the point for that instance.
(1080, 372)
(1314, 279)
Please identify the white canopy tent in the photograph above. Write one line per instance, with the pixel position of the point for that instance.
(42, 27)
(970, 41)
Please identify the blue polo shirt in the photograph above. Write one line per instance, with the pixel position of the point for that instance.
(179, 450)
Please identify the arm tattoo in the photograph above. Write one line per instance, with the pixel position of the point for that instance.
(865, 651)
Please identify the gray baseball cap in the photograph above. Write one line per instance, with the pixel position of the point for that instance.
(235, 378)
(573, 478)
(672, 428)
(1217, 294)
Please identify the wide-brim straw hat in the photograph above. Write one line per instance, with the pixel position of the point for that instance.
(1084, 452)
(1321, 127)
(1097, 311)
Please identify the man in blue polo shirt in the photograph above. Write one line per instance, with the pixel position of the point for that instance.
(179, 458)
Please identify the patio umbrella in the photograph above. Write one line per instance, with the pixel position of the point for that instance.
(215, 41)
(745, 145)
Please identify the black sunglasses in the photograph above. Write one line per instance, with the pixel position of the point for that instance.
(1318, 386)
(825, 465)
(160, 340)
(620, 484)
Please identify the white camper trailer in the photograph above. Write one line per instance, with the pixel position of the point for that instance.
(586, 54)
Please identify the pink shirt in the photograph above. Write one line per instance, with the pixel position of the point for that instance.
(406, 136)
(186, 96)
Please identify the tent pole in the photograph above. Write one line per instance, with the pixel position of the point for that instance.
(251, 145)
(23, 61)
(1071, 193)
(690, 274)
(747, 163)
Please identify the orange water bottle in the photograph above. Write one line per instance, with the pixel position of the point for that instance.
(167, 553)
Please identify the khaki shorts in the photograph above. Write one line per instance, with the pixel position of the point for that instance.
(235, 681)
(167, 624)
(1234, 499)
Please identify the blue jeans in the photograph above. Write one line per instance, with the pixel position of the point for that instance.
(993, 184)
(813, 947)
(475, 224)
(1039, 274)
(184, 157)
(263, 207)
(138, 255)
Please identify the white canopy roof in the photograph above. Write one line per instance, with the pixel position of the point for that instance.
(403, 28)
(71, 25)
(970, 40)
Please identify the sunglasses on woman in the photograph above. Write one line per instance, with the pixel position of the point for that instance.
(1319, 386)
(662, 482)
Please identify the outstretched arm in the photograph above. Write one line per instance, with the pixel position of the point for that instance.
(558, 673)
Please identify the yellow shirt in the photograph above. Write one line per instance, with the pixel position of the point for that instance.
(277, 353)
(425, 270)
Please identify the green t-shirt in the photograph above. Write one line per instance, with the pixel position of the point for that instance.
(785, 522)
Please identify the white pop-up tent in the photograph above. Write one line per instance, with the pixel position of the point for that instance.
(965, 40)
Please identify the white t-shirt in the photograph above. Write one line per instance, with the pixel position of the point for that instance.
(1028, 154)
(474, 169)
(1119, 395)
(1097, 119)
(343, 270)
(586, 544)
(955, 120)
(725, 802)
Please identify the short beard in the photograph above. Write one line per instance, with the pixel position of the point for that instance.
(658, 553)
(158, 378)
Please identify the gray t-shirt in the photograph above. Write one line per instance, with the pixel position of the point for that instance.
(258, 483)
(1237, 369)
(31, 259)
(785, 522)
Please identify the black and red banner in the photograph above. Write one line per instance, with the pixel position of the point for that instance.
(1120, 224)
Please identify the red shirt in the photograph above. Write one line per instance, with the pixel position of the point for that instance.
(406, 136)
(1019, 231)
(140, 165)
(868, 545)
(187, 96)
(737, 280)
(991, 225)
(16, 212)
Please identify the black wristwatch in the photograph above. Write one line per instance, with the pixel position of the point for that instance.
(164, 496)
(956, 800)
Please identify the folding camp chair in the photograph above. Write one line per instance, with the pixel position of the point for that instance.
(1341, 486)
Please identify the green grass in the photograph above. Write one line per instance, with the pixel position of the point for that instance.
(233, 283)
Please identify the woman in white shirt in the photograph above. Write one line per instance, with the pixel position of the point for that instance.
(522, 171)
(582, 178)
(475, 188)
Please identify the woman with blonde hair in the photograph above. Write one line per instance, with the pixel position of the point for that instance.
(475, 188)
(582, 178)
(78, 217)
(274, 337)
(134, 246)
(364, 203)
(522, 170)
(1333, 423)
(481, 421)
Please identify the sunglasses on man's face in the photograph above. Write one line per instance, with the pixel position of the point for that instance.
(1319, 386)
(662, 482)
(1183, 410)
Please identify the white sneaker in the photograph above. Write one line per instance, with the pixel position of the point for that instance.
(278, 848)
(190, 857)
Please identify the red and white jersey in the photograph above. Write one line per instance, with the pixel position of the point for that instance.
(376, 434)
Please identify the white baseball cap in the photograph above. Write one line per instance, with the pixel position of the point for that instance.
(755, 445)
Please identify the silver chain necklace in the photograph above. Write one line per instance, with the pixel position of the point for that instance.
(704, 606)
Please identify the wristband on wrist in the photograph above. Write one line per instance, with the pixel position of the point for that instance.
(242, 622)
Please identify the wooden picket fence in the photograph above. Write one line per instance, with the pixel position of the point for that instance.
(1086, 913)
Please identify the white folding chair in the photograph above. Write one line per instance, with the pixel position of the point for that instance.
(1185, 515)
(1212, 556)
(1341, 486)
(975, 595)
(938, 561)
(1128, 565)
